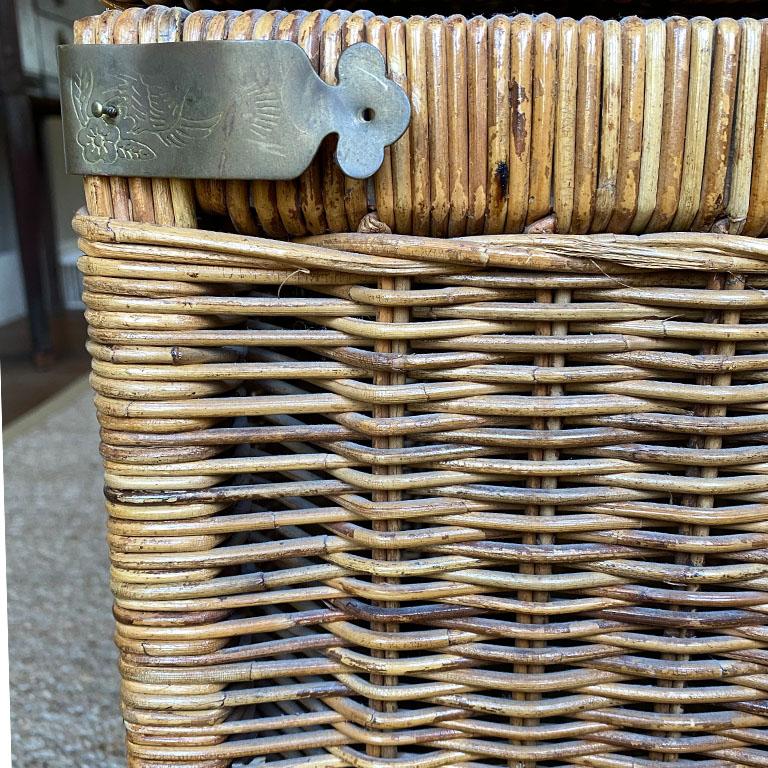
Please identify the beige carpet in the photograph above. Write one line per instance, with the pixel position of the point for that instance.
(63, 665)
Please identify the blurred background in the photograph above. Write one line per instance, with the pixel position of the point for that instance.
(64, 700)
(42, 332)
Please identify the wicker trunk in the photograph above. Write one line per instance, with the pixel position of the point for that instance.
(466, 466)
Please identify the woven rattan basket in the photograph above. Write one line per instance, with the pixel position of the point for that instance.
(411, 486)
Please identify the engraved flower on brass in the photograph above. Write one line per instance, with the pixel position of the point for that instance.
(143, 114)
(99, 140)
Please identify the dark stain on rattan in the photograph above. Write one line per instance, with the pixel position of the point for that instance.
(517, 97)
(502, 174)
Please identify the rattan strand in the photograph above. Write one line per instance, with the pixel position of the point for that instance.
(397, 502)
(572, 126)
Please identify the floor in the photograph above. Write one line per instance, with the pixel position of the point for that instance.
(23, 386)
(63, 664)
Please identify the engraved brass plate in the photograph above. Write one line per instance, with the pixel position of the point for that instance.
(223, 110)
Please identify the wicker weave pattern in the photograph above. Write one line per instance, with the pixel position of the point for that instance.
(561, 7)
(387, 501)
(591, 126)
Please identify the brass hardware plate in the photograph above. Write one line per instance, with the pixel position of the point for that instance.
(223, 109)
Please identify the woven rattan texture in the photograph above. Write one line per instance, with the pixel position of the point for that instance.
(573, 126)
(711, 8)
(380, 501)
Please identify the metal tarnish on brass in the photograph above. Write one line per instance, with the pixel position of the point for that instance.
(223, 109)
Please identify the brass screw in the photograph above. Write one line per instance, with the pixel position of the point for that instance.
(103, 110)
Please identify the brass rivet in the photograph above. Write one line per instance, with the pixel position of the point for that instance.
(103, 110)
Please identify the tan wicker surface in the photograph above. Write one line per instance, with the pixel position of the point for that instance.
(395, 502)
(630, 126)
(398, 501)
(391, 7)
